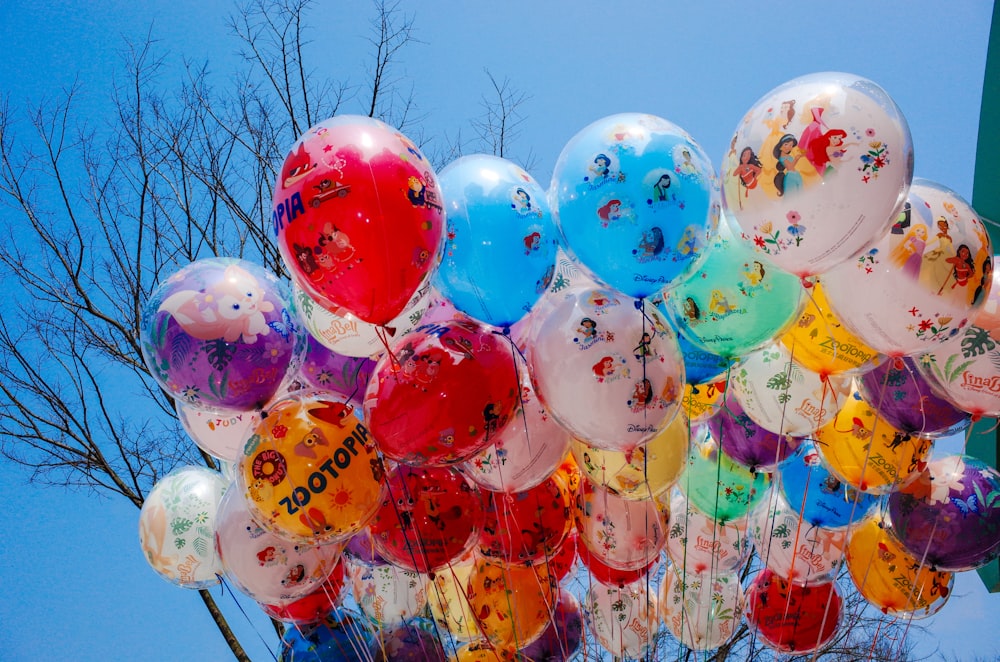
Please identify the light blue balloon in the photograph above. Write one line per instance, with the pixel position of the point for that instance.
(700, 365)
(500, 249)
(817, 495)
(635, 200)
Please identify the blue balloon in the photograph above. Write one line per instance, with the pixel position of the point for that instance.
(500, 249)
(636, 200)
(340, 637)
(700, 365)
(817, 495)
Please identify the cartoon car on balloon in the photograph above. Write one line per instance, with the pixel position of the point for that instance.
(327, 189)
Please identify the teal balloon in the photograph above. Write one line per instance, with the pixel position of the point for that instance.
(635, 199)
(733, 303)
(818, 496)
(500, 248)
(717, 485)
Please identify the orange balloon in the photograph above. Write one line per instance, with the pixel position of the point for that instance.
(822, 344)
(310, 472)
(511, 605)
(867, 453)
(569, 471)
(889, 577)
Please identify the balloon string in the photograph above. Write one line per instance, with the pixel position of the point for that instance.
(225, 586)
(383, 336)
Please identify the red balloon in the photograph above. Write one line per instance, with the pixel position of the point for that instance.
(442, 394)
(358, 218)
(525, 527)
(609, 576)
(313, 607)
(430, 517)
(790, 618)
(563, 561)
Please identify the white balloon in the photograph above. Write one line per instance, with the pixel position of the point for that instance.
(623, 619)
(701, 611)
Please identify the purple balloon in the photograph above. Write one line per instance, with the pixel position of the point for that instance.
(220, 335)
(906, 401)
(412, 642)
(564, 635)
(746, 442)
(360, 548)
(345, 375)
(949, 516)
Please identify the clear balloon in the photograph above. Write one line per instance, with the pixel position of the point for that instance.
(221, 334)
(442, 394)
(790, 618)
(819, 496)
(699, 545)
(358, 217)
(949, 515)
(623, 619)
(387, 594)
(624, 534)
(635, 199)
(177, 526)
(313, 607)
(734, 302)
(268, 568)
(817, 170)
(701, 611)
(919, 279)
(310, 471)
(220, 434)
(782, 396)
(607, 367)
(906, 400)
(499, 256)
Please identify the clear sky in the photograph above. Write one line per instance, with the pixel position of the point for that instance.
(74, 581)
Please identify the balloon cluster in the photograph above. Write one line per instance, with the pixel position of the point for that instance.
(474, 389)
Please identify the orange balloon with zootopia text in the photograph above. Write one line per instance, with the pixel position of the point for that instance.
(819, 342)
(310, 472)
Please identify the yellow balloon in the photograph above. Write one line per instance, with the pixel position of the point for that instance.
(482, 653)
(512, 605)
(449, 604)
(310, 472)
(646, 472)
(701, 401)
(867, 453)
(569, 471)
(891, 578)
(822, 344)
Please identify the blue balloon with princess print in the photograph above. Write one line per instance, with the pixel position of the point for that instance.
(635, 200)
(817, 495)
(500, 247)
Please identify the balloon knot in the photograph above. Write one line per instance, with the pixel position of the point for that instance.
(806, 283)
(637, 303)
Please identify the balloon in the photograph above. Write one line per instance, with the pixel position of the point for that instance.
(563, 561)
(358, 217)
(346, 376)
(524, 528)
(443, 394)
(783, 397)
(448, 601)
(919, 279)
(499, 256)
(700, 365)
(820, 342)
(817, 170)
(388, 595)
(891, 578)
(949, 516)
(413, 641)
(964, 370)
(800, 552)
(340, 637)
(635, 199)
(905, 400)
(268, 568)
(701, 611)
(623, 619)
(790, 618)
(220, 434)
(609, 576)
(817, 495)
(720, 488)
(624, 534)
(702, 401)
(697, 544)
(644, 473)
(312, 607)
(512, 605)
(429, 517)
(361, 549)
(310, 472)
(564, 635)
(745, 442)
(867, 453)
(525, 452)
(733, 303)
(177, 526)
(349, 336)
(221, 334)
(609, 373)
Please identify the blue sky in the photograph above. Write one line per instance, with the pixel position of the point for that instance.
(75, 583)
